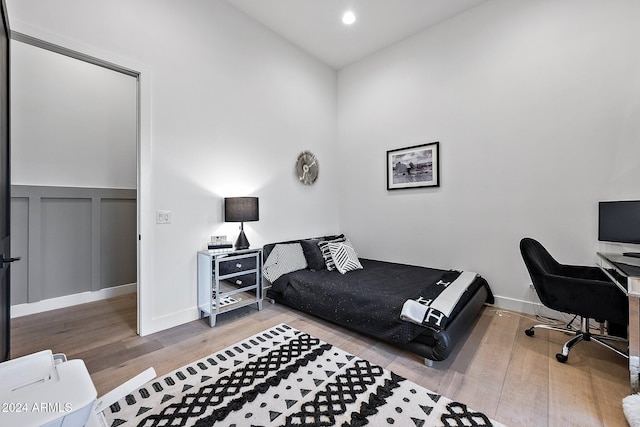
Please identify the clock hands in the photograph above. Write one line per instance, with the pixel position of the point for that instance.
(307, 168)
(305, 171)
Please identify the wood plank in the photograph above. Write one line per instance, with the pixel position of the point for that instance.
(571, 393)
(481, 386)
(524, 393)
(610, 372)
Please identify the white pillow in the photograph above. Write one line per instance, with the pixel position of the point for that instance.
(283, 259)
(344, 256)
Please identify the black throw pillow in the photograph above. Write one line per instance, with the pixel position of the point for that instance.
(313, 254)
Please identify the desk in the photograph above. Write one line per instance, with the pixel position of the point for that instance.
(625, 273)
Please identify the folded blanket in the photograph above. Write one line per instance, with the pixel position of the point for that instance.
(434, 306)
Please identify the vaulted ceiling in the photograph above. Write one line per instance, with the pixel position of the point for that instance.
(316, 25)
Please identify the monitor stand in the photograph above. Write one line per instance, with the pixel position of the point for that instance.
(632, 254)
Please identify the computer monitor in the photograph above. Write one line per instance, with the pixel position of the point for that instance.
(619, 221)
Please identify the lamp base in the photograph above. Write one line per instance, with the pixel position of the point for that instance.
(242, 242)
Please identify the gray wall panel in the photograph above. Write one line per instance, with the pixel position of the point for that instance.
(71, 240)
(66, 246)
(118, 242)
(20, 245)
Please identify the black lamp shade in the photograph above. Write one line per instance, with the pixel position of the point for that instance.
(241, 209)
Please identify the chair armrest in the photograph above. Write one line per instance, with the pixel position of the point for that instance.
(582, 272)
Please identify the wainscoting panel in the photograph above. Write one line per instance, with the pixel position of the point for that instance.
(71, 240)
(20, 247)
(65, 249)
(118, 242)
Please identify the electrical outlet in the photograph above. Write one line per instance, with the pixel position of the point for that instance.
(163, 217)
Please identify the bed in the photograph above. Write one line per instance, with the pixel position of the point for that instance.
(372, 299)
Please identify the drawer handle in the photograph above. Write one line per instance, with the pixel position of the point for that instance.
(238, 282)
(238, 265)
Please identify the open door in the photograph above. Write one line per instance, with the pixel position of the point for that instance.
(5, 300)
(5, 258)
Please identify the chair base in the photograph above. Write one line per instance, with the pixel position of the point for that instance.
(583, 334)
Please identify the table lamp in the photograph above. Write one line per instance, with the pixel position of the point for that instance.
(241, 209)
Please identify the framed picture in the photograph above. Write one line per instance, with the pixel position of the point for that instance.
(413, 167)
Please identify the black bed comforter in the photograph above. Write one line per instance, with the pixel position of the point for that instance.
(368, 300)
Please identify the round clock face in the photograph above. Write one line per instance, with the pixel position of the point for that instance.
(307, 168)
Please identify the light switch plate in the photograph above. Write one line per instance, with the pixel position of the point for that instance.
(163, 217)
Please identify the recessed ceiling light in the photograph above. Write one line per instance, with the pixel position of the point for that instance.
(348, 18)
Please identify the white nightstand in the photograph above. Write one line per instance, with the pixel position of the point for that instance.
(228, 280)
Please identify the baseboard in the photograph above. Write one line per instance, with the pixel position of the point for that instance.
(20, 310)
(167, 321)
(534, 308)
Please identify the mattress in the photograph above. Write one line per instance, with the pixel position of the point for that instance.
(369, 300)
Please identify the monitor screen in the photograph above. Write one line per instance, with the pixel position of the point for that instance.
(619, 221)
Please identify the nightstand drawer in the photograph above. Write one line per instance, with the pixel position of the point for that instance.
(243, 280)
(237, 265)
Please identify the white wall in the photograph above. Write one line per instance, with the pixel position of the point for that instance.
(73, 124)
(227, 107)
(535, 104)
(537, 109)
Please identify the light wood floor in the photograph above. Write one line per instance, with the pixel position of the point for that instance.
(498, 370)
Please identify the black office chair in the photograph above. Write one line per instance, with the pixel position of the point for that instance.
(582, 291)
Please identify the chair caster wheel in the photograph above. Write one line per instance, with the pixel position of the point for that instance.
(529, 332)
(562, 358)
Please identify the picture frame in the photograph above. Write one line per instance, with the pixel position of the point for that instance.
(414, 167)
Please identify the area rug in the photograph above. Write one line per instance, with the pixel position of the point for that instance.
(631, 408)
(285, 377)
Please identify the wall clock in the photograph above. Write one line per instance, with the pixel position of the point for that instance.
(307, 168)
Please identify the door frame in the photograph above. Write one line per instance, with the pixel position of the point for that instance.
(142, 148)
(5, 241)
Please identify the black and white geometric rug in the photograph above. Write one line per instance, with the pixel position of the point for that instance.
(285, 377)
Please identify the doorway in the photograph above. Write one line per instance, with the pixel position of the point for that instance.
(74, 181)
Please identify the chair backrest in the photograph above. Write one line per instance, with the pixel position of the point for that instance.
(537, 259)
(539, 263)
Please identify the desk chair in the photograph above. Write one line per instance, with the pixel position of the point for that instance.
(577, 290)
